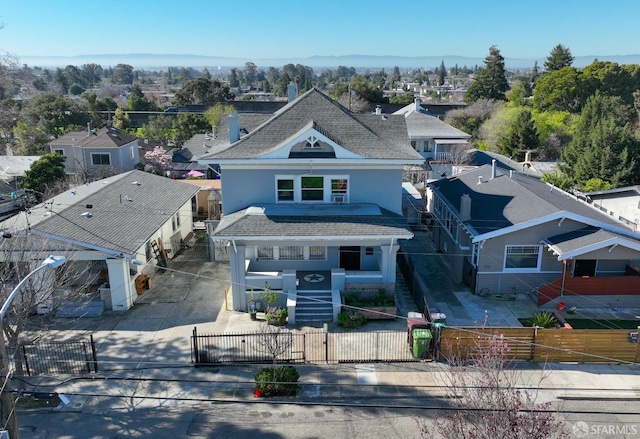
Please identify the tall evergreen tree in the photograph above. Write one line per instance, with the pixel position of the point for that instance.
(559, 57)
(603, 146)
(442, 73)
(491, 82)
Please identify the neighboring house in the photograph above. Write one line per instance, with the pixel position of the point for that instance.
(108, 224)
(622, 204)
(98, 152)
(312, 201)
(506, 233)
(431, 137)
(208, 199)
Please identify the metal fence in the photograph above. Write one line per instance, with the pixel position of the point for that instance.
(310, 347)
(66, 357)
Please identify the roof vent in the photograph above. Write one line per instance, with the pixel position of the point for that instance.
(480, 181)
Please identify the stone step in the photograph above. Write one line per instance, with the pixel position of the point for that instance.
(75, 309)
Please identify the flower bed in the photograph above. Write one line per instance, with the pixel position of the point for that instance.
(374, 301)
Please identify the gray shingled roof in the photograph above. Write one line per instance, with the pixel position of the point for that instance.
(503, 201)
(312, 221)
(421, 124)
(585, 237)
(362, 135)
(103, 138)
(116, 224)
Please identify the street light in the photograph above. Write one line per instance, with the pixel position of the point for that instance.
(7, 412)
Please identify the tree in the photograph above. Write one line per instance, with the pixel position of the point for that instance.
(250, 73)
(122, 74)
(559, 58)
(486, 398)
(159, 130)
(121, 119)
(54, 115)
(185, 125)
(491, 82)
(442, 73)
(521, 135)
(44, 173)
(603, 145)
(203, 91)
(560, 90)
(158, 158)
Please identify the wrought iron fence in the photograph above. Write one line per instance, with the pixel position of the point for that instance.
(310, 347)
(65, 357)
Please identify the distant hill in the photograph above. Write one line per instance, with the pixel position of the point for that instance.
(151, 61)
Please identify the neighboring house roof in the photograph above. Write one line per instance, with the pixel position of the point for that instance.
(204, 184)
(12, 166)
(617, 191)
(373, 137)
(313, 222)
(102, 138)
(590, 238)
(126, 210)
(476, 158)
(205, 144)
(504, 204)
(421, 124)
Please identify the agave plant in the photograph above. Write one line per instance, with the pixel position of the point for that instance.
(543, 319)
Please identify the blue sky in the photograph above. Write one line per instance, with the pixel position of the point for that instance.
(276, 29)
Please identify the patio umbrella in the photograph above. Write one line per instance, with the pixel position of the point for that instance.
(194, 173)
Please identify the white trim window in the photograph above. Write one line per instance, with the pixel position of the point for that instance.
(58, 151)
(522, 258)
(100, 159)
(311, 188)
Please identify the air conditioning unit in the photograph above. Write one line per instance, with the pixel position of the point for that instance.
(339, 198)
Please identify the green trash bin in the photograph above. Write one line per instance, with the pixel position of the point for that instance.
(421, 340)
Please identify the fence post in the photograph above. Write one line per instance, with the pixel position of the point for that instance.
(533, 342)
(326, 347)
(26, 361)
(93, 354)
(194, 345)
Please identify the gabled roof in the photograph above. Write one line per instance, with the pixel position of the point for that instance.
(421, 124)
(109, 137)
(313, 222)
(381, 137)
(585, 240)
(504, 204)
(126, 210)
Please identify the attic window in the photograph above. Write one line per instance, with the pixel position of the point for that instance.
(313, 142)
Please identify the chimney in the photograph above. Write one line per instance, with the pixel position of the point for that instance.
(493, 168)
(292, 91)
(234, 127)
(511, 173)
(418, 107)
(465, 207)
(378, 110)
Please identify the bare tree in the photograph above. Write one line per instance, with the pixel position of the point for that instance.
(42, 294)
(484, 389)
(275, 341)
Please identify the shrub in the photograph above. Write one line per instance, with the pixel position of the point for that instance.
(280, 381)
(543, 319)
(351, 319)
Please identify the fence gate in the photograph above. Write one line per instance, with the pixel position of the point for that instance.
(65, 357)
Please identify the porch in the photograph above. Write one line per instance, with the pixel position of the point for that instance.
(310, 296)
(592, 286)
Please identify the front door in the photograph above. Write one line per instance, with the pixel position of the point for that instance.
(584, 267)
(350, 258)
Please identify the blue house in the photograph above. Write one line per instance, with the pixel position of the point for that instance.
(312, 202)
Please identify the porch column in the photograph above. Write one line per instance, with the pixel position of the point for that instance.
(388, 262)
(238, 280)
(122, 288)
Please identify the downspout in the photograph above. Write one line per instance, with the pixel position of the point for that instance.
(235, 249)
(564, 275)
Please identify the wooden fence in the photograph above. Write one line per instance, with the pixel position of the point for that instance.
(547, 345)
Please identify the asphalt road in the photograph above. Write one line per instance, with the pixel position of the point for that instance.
(350, 418)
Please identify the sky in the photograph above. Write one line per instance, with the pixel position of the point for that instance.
(303, 28)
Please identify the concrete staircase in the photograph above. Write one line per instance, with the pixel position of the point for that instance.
(314, 306)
